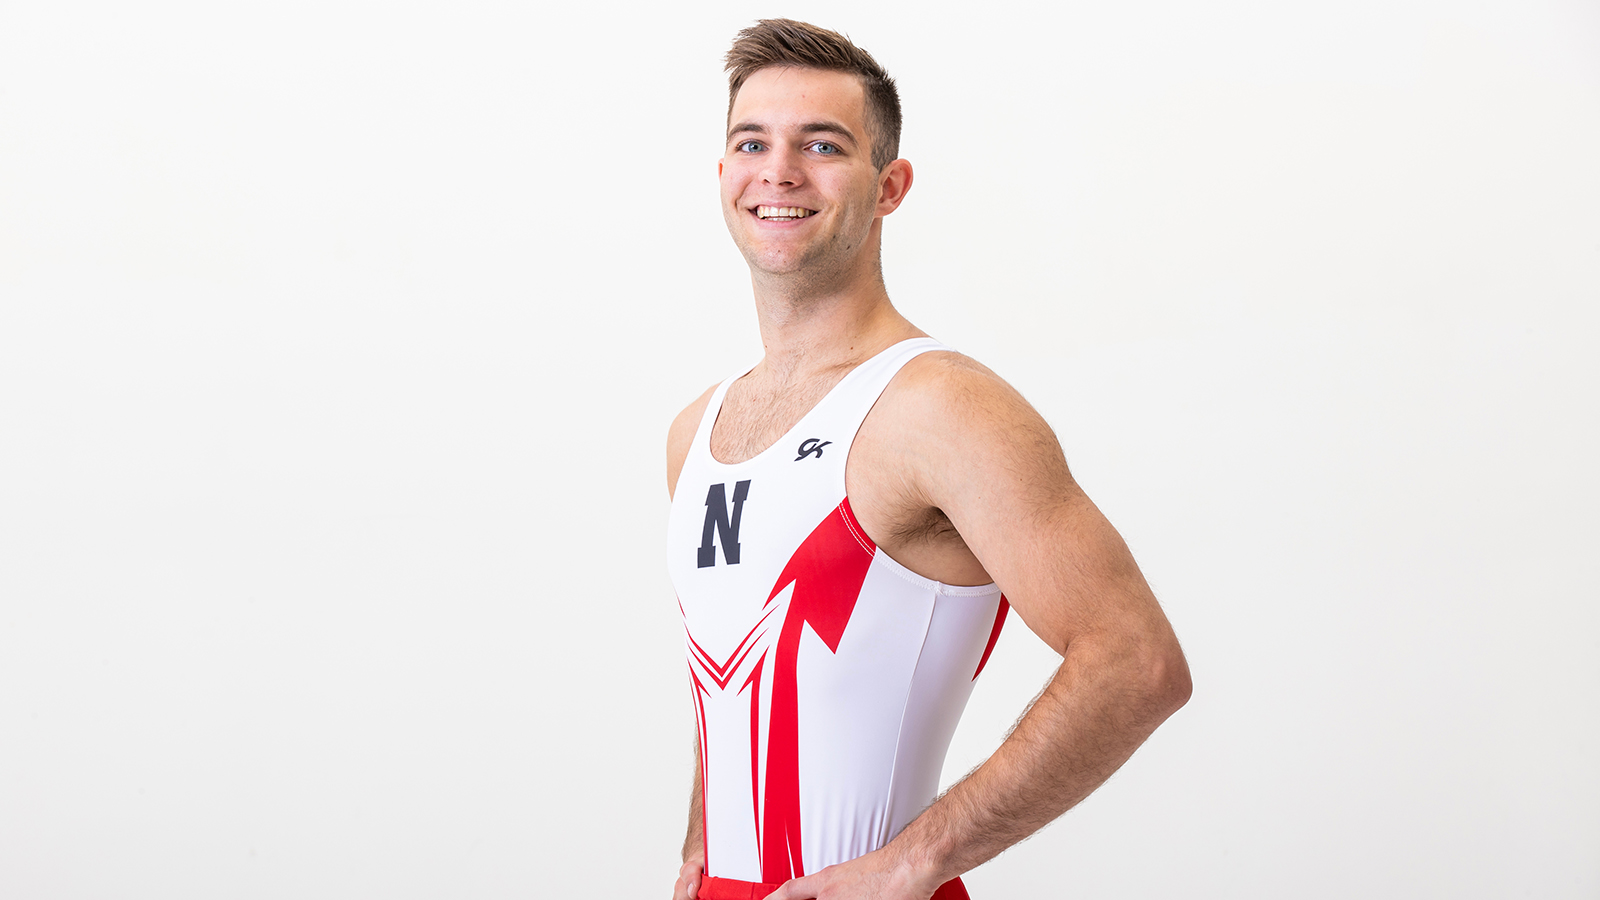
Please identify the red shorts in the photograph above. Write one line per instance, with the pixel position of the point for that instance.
(728, 889)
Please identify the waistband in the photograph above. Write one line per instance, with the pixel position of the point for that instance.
(728, 889)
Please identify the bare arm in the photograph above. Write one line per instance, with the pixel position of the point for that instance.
(1005, 487)
(687, 887)
(694, 838)
(694, 846)
(1108, 695)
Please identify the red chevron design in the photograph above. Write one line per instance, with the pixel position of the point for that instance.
(722, 674)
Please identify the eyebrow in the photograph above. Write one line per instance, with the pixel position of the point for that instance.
(833, 128)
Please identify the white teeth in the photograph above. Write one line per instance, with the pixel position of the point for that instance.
(782, 212)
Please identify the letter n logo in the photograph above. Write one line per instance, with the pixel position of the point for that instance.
(727, 527)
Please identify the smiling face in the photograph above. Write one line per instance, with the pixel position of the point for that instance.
(799, 191)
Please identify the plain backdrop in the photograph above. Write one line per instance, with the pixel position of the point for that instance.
(338, 342)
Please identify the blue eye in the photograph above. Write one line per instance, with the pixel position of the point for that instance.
(825, 148)
(748, 146)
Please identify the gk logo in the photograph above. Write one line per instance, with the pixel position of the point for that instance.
(726, 526)
(810, 446)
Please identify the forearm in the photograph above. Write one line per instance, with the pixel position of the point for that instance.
(694, 837)
(1097, 709)
(687, 886)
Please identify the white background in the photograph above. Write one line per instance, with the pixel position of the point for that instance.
(338, 342)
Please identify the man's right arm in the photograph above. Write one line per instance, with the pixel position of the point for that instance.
(679, 437)
(694, 842)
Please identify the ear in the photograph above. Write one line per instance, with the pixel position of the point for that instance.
(719, 169)
(894, 182)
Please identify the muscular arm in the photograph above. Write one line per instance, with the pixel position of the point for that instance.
(974, 450)
(1110, 692)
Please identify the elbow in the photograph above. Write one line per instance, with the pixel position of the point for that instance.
(1165, 678)
(1170, 679)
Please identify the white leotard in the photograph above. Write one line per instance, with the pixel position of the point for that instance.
(827, 678)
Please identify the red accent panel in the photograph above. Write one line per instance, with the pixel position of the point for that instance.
(712, 888)
(994, 635)
(827, 572)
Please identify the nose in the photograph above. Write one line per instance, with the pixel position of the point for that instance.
(781, 167)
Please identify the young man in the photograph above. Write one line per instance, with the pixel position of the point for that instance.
(845, 516)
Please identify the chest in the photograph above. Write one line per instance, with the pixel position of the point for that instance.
(756, 415)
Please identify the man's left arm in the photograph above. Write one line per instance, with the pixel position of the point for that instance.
(1005, 486)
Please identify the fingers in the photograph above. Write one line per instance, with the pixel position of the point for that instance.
(794, 889)
(687, 886)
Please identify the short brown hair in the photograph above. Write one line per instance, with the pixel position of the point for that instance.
(785, 42)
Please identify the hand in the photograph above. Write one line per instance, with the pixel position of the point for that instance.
(688, 884)
(876, 876)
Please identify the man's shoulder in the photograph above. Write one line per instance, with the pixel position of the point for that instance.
(946, 406)
(680, 434)
(943, 384)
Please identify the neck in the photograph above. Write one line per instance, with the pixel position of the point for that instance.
(810, 325)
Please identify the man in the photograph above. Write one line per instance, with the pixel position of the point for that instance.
(845, 516)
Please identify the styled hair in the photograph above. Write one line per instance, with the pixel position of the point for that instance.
(785, 42)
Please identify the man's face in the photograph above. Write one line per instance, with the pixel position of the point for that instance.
(799, 191)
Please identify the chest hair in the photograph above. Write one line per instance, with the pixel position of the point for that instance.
(754, 415)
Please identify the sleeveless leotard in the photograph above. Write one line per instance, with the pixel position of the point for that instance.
(827, 678)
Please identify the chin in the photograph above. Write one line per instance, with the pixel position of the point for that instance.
(772, 262)
(775, 267)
